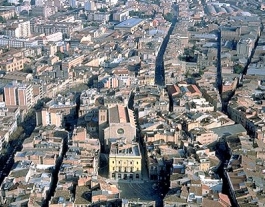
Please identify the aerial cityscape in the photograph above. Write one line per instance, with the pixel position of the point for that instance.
(132, 103)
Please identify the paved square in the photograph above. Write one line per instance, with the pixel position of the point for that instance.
(140, 191)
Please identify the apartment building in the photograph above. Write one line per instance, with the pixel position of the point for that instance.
(203, 136)
(72, 62)
(10, 95)
(121, 15)
(18, 43)
(101, 16)
(19, 29)
(10, 63)
(51, 28)
(38, 91)
(57, 111)
(230, 33)
(109, 82)
(25, 96)
(90, 6)
(7, 13)
(244, 47)
(125, 161)
(166, 135)
(52, 117)
(16, 94)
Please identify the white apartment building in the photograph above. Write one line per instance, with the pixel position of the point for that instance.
(24, 29)
(90, 6)
(111, 2)
(121, 15)
(13, 1)
(25, 96)
(101, 16)
(39, 2)
(19, 29)
(73, 3)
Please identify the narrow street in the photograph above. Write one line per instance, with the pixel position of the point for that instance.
(16, 145)
(159, 69)
(223, 152)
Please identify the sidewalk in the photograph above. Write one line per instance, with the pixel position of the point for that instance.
(125, 181)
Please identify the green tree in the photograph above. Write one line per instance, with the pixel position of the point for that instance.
(103, 9)
(157, 2)
(5, 3)
(2, 19)
(40, 103)
(27, 69)
(168, 17)
(60, 55)
(238, 69)
(189, 54)
(136, 13)
(94, 24)
(187, 74)
(14, 17)
(16, 134)
(149, 44)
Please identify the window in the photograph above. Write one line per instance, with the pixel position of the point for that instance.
(113, 162)
(102, 118)
(137, 163)
(113, 168)
(120, 131)
(113, 175)
(119, 175)
(137, 176)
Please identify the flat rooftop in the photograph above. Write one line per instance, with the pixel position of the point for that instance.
(118, 149)
(129, 23)
(229, 130)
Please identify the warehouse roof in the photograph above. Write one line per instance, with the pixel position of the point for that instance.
(129, 23)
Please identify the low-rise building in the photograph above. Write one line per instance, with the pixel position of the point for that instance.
(59, 110)
(129, 25)
(125, 161)
(203, 136)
